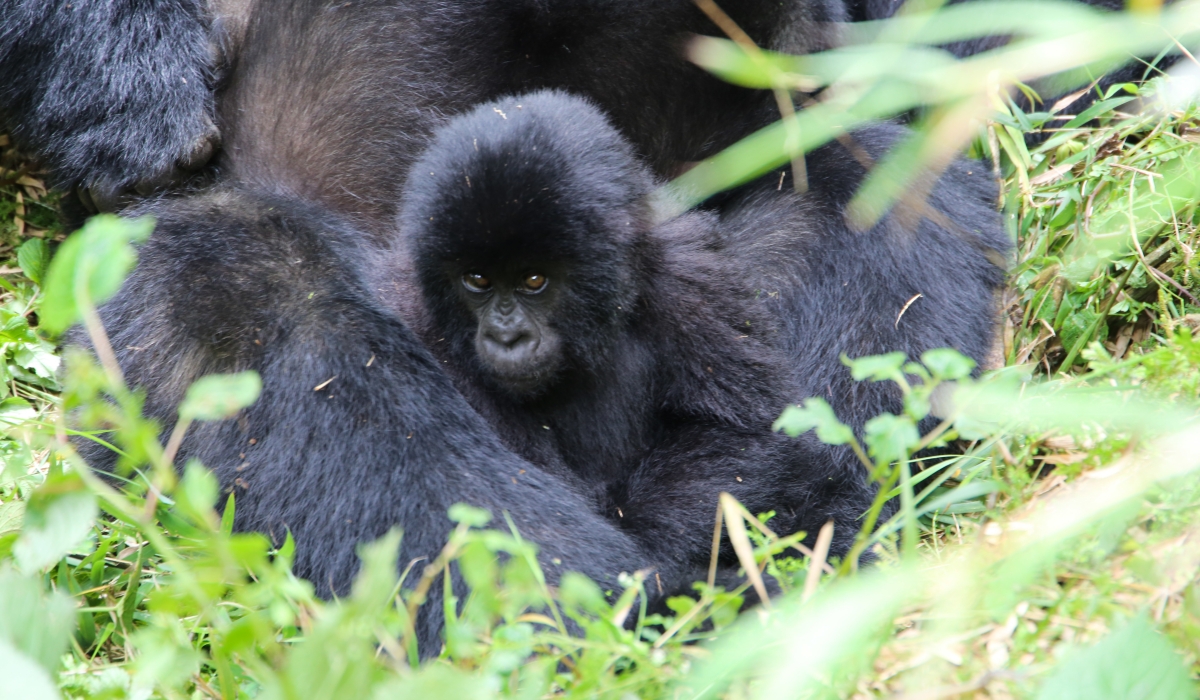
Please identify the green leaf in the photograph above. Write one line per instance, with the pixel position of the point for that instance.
(164, 657)
(877, 368)
(16, 456)
(890, 437)
(14, 411)
(1079, 324)
(33, 621)
(58, 516)
(1132, 662)
(41, 361)
(731, 63)
(21, 678)
(12, 515)
(377, 578)
(32, 257)
(91, 264)
(220, 396)
(228, 514)
(577, 591)
(437, 681)
(816, 413)
(469, 515)
(948, 363)
(288, 551)
(198, 492)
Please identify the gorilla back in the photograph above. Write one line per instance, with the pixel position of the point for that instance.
(356, 429)
(325, 97)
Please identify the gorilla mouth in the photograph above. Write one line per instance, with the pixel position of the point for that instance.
(522, 375)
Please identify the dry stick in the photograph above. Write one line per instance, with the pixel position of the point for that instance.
(716, 547)
(783, 97)
(735, 526)
(1159, 274)
(820, 552)
(428, 576)
(772, 534)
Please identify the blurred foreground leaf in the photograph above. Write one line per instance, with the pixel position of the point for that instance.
(21, 678)
(1132, 662)
(33, 621)
(220, 396)
(58, 517)
(92, 262)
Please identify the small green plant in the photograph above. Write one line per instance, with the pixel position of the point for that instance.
(891, 442)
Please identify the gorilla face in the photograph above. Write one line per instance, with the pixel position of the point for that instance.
(515, 307)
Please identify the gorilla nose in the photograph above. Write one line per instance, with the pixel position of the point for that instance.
(508, 338)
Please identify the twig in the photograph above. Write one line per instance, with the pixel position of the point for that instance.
(820, 553)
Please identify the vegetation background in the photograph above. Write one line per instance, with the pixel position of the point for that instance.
(1051, 551)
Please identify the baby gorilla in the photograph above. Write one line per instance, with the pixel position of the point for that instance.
(631, 356)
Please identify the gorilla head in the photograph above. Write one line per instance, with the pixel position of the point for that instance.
(532, 211)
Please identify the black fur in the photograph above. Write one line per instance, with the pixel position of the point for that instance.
(232, 281)
(110, 93)
(839, 291)
(332, 101)
(325, 96)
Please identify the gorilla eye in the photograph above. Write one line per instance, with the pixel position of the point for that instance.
(476, 282)
(533, 284)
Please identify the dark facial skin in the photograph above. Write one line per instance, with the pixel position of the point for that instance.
(514, 339)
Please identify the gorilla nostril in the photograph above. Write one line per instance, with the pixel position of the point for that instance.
(508, 338)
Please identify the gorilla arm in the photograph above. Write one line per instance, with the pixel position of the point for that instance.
(114, 94)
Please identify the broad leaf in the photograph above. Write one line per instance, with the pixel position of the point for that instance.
(58, 516)
(1132, 662)
(33, 256)
(817, 414)
(878, 368)
(890, 437)
(220, 396)
(91, 265)
(21, 677)
(14, 411)
(35, 622)
(947, 363)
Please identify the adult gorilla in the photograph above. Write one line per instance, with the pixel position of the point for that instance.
(330, 102)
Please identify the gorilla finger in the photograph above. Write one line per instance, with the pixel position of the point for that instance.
(106, 196)
(202, 149)
(85, 198)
